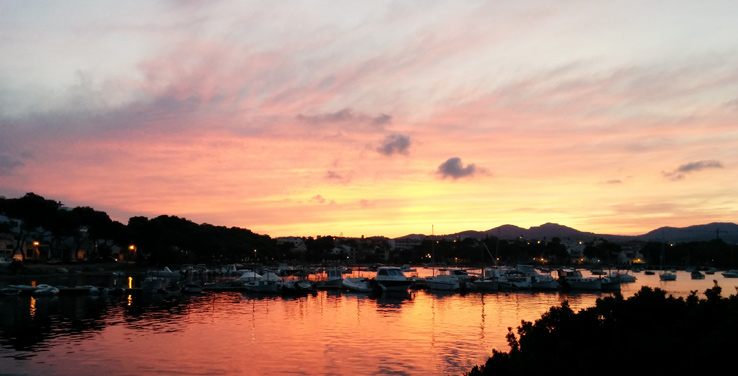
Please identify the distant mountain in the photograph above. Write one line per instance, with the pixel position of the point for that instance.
(726, 231)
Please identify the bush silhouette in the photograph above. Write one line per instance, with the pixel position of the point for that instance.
(648, 332)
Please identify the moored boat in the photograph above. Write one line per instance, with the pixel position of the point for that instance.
(152, 284)
(357, 284)
(538, 280)
(165, 273)
(622, 277)
(391, 278)
(696, 274)
(444, 281)
(333, 279)
(573, 279)
(268, 282)
(733, 273)
(45, 290)
(488, 281)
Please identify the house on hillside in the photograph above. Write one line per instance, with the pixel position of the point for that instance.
(298, 244)
(407, 243)
(7, 244)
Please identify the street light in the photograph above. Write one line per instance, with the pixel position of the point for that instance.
(132, 249)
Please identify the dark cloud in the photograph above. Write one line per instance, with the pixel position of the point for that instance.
(333, 175)
(394, 143)
(679, 173)
(348, 116)
(8, 164)
(382, 119)
(318, 198)
(453, 168)
(614, 181)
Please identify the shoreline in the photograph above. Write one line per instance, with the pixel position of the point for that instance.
(32, 270)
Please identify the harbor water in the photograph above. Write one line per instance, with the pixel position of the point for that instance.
(235, 333)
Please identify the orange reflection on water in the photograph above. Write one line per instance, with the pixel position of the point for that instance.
(33, 307)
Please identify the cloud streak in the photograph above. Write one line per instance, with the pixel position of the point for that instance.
(680, 172)
(8, 164)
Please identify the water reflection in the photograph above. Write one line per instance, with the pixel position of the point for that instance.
(419, 332)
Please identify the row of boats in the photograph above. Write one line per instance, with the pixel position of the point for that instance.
(387, 278)
(390, 278)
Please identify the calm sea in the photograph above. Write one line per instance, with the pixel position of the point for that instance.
(330, 333)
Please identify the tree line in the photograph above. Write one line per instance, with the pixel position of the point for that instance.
(172, 240)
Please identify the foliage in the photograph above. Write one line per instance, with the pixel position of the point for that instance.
(648, 332)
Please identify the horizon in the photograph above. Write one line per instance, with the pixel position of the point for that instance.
(375, 119)
(432, 234)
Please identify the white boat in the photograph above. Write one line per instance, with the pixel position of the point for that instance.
(488, 281)
(357, 284)
(511, 279)
(247, 275)
(622, 277)
(152, 284)
(45, 290)
(230, 269)
(165, 273)
(269, 282)
(537, 280)
(391, 278)
(732, 273)
(297, 287)
(333, 279)
(446, 280)
(573, 279)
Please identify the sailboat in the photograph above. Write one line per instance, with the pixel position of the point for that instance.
(489, 279)
(665, 275)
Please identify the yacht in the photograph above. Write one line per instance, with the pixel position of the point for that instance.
(537, 280)
(573, 279)
(391, 278)
(445, 280)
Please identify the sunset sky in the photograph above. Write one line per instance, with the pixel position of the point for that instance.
(375, 117)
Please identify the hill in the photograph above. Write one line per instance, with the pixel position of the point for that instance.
(726, 231)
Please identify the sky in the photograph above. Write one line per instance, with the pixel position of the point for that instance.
(375, 118)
